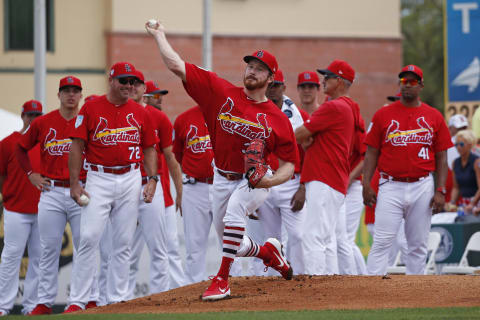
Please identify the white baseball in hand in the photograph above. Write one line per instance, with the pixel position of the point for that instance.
(83, 200)
(152, 23)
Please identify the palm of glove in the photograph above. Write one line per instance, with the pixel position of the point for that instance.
(255, 167)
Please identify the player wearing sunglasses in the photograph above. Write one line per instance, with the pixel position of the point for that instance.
(407, 141)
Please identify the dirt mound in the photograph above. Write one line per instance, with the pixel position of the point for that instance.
(313, 293)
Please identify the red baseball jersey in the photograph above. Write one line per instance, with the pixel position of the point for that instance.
(305, 115)
(165, 181)
(114, 135)
(359, 147)
(163, 131)
(19, 195)
(327, 159)
(408, 139)
(52, 132)
(192, 145)
(233, 120)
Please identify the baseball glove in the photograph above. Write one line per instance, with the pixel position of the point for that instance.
(255, 167)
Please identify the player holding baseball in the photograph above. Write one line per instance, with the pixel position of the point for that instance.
(237, 116)
(20, 207)
(116, 134)
(55, 208)
(330, 133)
(407, 141)
(284, 205)
(193, 149)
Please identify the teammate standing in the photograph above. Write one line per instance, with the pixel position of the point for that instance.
(308, 86)
(407, 141)
(193, 149)
(284, 205)
(55, 208)
(326, 167)
(116, 134)
(169, 165)
(20, 207)
(235, 116)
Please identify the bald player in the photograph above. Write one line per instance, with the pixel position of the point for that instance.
(20, 207)
(235, 116)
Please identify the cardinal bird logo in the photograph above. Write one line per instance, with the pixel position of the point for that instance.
(245, 128)
(397, 137)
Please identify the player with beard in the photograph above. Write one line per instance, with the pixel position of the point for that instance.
(235, 116)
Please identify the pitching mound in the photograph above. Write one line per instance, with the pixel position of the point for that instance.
(314, 293)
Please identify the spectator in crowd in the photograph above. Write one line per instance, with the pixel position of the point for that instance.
(456, 123)
(466, 173)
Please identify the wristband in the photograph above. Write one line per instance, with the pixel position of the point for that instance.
(154, 178)
(442, 190)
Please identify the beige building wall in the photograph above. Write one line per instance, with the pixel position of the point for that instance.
(339, 18)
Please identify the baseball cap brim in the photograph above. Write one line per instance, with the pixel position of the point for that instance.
(32, 112)
(126, 75)
(247, 59)
(69, 85)
(308, 82)
(326, 72)
(393, 98)
(157, 92)
(401, 74)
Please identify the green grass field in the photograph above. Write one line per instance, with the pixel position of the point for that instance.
(397, 314)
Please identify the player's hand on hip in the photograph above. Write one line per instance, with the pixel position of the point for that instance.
(149, 191)
(437, 203)
(298, 199)
(76, 191)
(178, 204)
(41, 183)
(369, 196)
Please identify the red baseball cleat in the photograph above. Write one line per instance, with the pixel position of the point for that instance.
(218, 290)
(72, 308)
(40, 309)
(278, 261)
(91, 304)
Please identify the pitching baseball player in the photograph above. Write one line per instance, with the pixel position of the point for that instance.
(330, 136)
(193, 149)
(154, 97)
(284, 205)
(55, 208)
(116, 134)
(20, 207)
(407, 140)
(235, 117)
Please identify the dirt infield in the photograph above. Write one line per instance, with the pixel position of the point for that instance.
(314, 293)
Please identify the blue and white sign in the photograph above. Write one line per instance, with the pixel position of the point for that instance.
(463, 50)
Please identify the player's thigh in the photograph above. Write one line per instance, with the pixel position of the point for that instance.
(354, 208)
(390, 209)
(244, 201)
(197, 217)
(419, 214)
(16, 233)
(151, 220)
(52, 216)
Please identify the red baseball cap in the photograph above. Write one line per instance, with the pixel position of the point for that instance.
(266, 57)
(122, 70)
(339, 68)
(279, 77)
(32, 107)
(151, 88)
(308, 77)
(70, 81)
(139, 76)
(91, 97)
(413, 69)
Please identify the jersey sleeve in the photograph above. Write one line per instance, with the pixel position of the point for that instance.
(165, 132)
(80, 128)
(3, 159)
(148, 133)
(30, 137)
(443, 140)
(178, 140)
(321, 119)
(373, 138)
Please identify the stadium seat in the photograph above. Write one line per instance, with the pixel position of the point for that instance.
(463, 267)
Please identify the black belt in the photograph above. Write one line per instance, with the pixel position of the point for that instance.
(231, 176)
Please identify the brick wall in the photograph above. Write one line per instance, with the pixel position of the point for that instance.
(376, 62)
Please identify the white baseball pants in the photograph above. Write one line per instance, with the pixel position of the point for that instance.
(397, 201)
(151, 230)
(323, 208)
(20, 230)
(277, 211)
(400, 243)
(113, 197)
(197, 221)
(177, 275)
(55, 208)
(354, 207)
(105, 248)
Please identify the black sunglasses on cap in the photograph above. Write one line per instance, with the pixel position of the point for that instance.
(124, 81)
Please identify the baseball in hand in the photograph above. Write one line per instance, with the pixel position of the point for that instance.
(83, 200)
(152, 23)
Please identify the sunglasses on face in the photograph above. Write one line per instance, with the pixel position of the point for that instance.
(460, 144)
(124, 81)
(412, 82)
